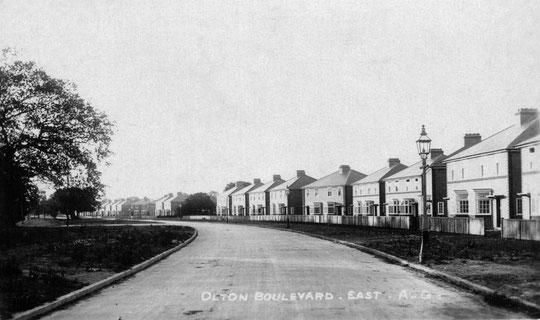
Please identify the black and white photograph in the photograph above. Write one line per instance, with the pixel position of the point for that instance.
(247, 159)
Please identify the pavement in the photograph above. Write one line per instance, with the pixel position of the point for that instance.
(245, 272)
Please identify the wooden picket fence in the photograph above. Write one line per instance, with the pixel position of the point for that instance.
(521, 229)
(475, 226)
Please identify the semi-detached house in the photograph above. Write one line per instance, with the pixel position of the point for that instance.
(485, 179)
(240, 199)
(369, 193)
(259, 198)
(288, 195)
(332, 194)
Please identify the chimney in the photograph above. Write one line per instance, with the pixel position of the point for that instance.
(436, 152)
(392, 162)
(256, 181)
(344, 168)
(471, 139)
(300, 173)
(170, 194)
(276, 177)
(526, 115)
(240, 184)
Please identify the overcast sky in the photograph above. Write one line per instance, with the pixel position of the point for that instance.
(208, 92)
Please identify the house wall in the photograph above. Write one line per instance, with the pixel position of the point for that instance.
(277, 197)
(239, 204)
(256, 200)
(530, 166)
(366, 192)
(313, 195)
(483, 172)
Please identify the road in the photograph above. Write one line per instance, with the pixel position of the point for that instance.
(245, 272)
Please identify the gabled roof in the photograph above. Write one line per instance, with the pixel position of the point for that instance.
(415, 169)
(382, 173)
(529, 141)
(229, 191)
(145, 200)
(338, 178)
(267, 186)
(505, 139)
(247, 189)
(162, 199)
(295, 183)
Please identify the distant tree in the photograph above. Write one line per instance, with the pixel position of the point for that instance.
(71, 201)
(198, 204)
(229, 185)
(47, 132)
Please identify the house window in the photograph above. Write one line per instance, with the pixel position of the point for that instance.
(481, 171)
(329, 192)
(355, 191)
(440, 208)
(394, 207)
(368, 190)
(497, 168)
(317, 208)
(483, 203)
(519, 206)
(359, 208)
(452, 174)
(397, 189)
(316, 192)
(331, 208)
(307, 193)
(462, 173)
(462, 199)
(531, 150)
(339, 191)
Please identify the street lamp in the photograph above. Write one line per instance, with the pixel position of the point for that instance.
(424, 147)
(286, 207)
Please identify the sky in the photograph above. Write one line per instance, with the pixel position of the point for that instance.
(208, 92)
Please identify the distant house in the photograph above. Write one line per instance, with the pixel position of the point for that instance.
(224, 199)
(404, 188)
(331, 194)
(143, 208)
(240, 198)
(125, 207)
(163, 205)
(117, 208)
(259, 198)
(485, 179)
(288, 195)
(176, 202)
(369, 193)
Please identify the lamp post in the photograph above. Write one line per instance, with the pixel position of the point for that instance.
(286, 207)
(424, 147)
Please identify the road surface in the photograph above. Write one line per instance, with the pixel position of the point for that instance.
(245, 272)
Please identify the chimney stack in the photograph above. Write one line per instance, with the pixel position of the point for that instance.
(300, 173)
(471, 139)
(276, 177)
(241, 184)
(436, 152)
(256, 181)
(344, 168)
(526, 115)
(393, 161)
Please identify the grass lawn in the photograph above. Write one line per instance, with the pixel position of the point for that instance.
(39, 264)
(506, 265)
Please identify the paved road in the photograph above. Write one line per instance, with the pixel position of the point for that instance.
(244, 272)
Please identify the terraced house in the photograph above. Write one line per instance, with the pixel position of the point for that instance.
(259, 198)
(287, 197)
(486, 179)
(331, 194)
(369, 193)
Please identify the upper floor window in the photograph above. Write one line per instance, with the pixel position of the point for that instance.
(497, 168)
(481, 171)
(329, 192)
(339, 191)
(462, 173)
(452, 174)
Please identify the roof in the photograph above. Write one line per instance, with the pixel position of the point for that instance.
(267, 186)
(142, 201)
(295, 183)
(247, 189)
(529, 141)
(162, 198)
(416, 169)
(229, 191)
(505, 139)
(382, 173)
(337, 178)
(179, 197)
